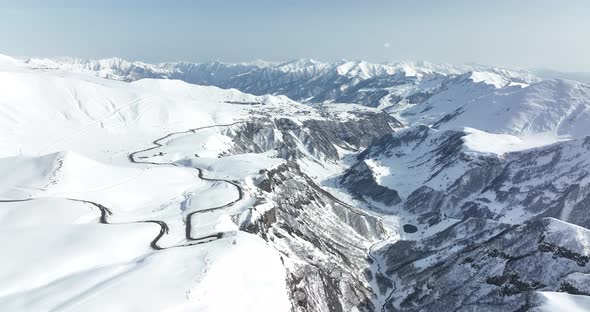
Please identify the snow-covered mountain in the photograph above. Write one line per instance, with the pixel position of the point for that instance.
(497, 191)
(304, 80)
(553, 107)
(225, 161)
(469, 173)
(300, 186)
(482, 265)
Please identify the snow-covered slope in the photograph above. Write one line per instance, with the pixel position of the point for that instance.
(158, 177)
(43, 112)
(483, 265)
(108, 231)
(187, 194)
(469, 173)
(556, 108)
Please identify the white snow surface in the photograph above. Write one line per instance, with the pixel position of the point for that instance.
(556, 108)
(65, 139)
(562, 302)
(481, 142)
(489, 78)
(412, 166)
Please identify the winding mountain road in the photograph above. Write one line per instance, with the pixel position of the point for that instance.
(105, 212)
(188, 228)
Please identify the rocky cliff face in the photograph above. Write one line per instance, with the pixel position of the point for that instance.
(323, 241)
(447, 179)
(520, 219)
(316, 138)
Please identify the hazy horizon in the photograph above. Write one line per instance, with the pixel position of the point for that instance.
(541, 34)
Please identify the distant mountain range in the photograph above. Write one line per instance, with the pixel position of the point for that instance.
(303, 80)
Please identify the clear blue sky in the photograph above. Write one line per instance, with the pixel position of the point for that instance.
(525, 33)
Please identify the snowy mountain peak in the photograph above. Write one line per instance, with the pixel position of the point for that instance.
(300, 63)
(259, 63)
(306, 80)
(363, 70)
(489, 78)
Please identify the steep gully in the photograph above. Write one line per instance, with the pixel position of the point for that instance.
(375, 260)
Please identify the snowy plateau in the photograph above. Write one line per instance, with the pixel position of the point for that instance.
(301, 186)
